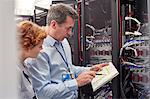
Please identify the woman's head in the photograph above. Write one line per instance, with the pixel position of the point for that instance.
(31, 37)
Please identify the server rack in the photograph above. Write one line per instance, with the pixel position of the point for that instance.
(134, 53)
(40, 15)
(115, 42)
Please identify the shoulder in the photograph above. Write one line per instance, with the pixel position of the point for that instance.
(29, 61)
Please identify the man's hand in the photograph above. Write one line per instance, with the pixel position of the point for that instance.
(85, 78)
(98, 67)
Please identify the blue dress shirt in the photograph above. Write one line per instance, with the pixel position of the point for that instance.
(47, 70)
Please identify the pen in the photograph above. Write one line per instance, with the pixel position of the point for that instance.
(98, 74)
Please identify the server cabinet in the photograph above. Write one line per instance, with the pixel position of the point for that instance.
(135, 50)
(101, 43)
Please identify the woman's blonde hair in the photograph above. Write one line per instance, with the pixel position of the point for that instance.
(30, 34)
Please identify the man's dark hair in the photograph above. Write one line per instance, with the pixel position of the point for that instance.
(59, 13)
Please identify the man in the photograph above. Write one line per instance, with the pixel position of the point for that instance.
(53, 74)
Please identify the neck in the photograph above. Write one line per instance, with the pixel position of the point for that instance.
(54, 35)
(23, 57)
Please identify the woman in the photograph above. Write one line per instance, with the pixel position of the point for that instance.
(31, 37)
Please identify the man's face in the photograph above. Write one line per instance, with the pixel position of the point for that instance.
(65, 29)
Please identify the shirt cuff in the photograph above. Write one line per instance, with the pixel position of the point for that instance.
(71, 84)
(88, 68)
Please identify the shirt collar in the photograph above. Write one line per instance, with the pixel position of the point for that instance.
(49, 41)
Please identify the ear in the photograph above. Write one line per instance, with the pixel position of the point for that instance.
(53, 24)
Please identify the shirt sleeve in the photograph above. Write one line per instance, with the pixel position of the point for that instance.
(78, 69)
(39, 70)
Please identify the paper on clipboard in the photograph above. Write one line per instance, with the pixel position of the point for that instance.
(107, 74)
